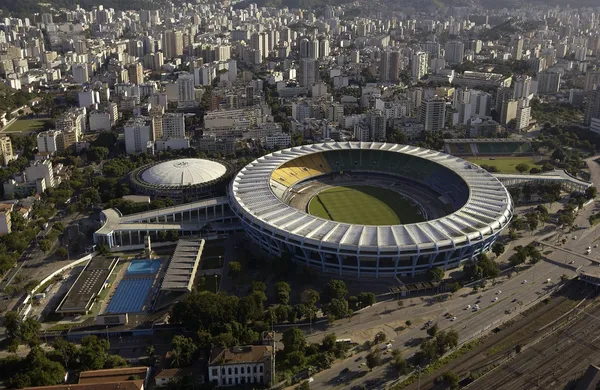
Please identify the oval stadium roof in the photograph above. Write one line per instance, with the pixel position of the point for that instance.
(184, 172)
(487, 210)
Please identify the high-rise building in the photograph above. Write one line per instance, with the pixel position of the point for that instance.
(591, 80)
(138, 131)
(377, 125)
(433, 114)
(6, 151)
(420, 65)
(592, 107)
(389, 65)
(521, 87)
(135, 73)
(548, 82)
(173, 125)
(49, 141)
(523, 114)
(256, 43)
(173, 44)
(185, 89)
(80, 73)
(323, 47)
(454, 52)
(517, 49)
(308, 72)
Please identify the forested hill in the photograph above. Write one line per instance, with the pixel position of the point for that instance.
(26, 8)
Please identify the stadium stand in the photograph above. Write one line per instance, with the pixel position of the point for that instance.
(452, 187)
(130, 296)
(488, 147)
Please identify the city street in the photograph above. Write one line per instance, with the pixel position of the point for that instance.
(517, 293)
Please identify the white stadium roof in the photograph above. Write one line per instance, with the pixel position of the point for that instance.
(487, 210)
(183, 172)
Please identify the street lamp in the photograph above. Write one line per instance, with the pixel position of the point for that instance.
(216, 283)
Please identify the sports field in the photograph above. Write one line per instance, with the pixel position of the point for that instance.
(25, 126)
(505, 164)
(364, 205)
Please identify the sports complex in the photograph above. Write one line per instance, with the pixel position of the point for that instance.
(370, 209)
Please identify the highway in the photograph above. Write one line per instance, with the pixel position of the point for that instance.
(518, 292)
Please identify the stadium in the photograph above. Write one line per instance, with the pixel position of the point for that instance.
(370, 209)
(182, 180)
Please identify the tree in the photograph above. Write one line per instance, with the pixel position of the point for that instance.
(433, 330)
(303, 386)
(62, 252)
(235, 268)
(67, 352)
(93, 353)
(366, 299)
(399, 363)
(450, 379)
(293, 340)
(11, 323)
(522, 167)
(336, 289)
(310, 297)
(498, 248)
(373, 359)
(558, 155)
(338, 308)
(29, 331)
(259, 286)
(591, 192)
(184, 350)
(380, 337)
(282, 291)
(435, 274)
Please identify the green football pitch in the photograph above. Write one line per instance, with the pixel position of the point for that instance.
(364, 205)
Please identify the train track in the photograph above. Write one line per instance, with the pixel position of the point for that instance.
(554, 361)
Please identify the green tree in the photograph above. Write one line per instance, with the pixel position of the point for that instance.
(373, 359)
(310, 297)
(259, 286)
(282, 291)
(338, 308)
(450, 379)
(435, 274)
(329, 342)
(184, 351)
(235, 268)
(293, 340)
(591, 192)
(399, 363)
(336, 289)
(67, 353)
(366, 299)
(522, 167)
(433, 330)
(30, 332)
(62, 252)
(93, 353)
(498, 248)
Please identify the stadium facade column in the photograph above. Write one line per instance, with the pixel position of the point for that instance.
(396, 261)
(447, 256)
(415, 260)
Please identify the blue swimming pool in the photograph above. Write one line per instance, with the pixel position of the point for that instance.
(138, 267)
(130, 296)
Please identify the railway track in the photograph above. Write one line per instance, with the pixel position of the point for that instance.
(553, 361)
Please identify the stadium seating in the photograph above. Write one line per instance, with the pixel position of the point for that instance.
(130, 296)
(300, 169)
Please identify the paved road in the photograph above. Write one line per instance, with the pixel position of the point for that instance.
(515, 296)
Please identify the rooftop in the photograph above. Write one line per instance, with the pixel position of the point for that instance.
(88, 284)
(127, 385)
(236, 355)
(184, 172)
(183, 265)
(112, 375)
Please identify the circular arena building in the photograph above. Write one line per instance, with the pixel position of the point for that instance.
(183, 180)
(370, 209)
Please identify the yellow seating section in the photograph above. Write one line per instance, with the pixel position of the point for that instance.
(301, 168)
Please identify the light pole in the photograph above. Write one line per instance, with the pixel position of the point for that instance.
(216, 284)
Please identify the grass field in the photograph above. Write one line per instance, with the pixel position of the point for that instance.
(364, 205)
(505, 164)
(26, 125)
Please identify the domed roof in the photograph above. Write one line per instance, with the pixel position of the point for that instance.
(183, 172)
